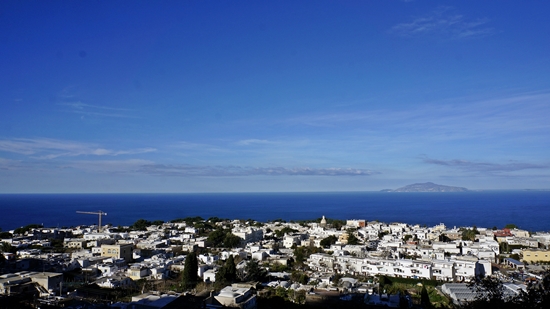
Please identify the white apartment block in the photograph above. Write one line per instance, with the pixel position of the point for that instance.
(459, 268)
(248, 234)
(465, 268)
(289, 241)
(443, 270)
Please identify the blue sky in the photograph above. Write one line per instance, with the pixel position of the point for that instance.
(252, 96)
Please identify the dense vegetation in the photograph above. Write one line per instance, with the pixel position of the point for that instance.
(142, 224)
(491, 295)
(190, 276)
(223, 238)
(26, 228)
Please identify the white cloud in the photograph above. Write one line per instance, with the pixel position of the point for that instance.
(198, 147)
(91, 113)
(97, 110)
(108, 166)
(446, 22)
(52, 148)
(81, 106)
(192, 170)
(73, 104)
(7, 164)
(248, 142)
(486, 166)
(462, 118)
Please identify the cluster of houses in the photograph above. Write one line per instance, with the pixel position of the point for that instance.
(115, 259)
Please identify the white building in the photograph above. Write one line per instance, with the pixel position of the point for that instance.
(443, 270)
(290, 240)
(236, 297)
(248, 234)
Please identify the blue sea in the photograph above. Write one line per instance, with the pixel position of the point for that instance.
(527, 209)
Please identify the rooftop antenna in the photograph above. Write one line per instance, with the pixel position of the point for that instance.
(99, 213)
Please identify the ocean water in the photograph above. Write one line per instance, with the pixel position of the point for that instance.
(527, 209)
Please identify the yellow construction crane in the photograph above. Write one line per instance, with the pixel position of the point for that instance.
(100, 213)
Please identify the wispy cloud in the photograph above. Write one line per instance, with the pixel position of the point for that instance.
(73, 104)
(52, 148)
(190, 147)
(502, 117)
(446, 22)
(7, 164)
(81, 106)
(486, 166)
(190, 170)
(248, 142)
(96, 110)
(108, 166)
(95, 166)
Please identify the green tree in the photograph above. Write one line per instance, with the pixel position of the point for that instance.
(489, 294)
(301, 253)
(336, 279)
(382, 234)
(217, 237)
(326, 242)
(383, 282)
(285, 230)
(504, 247)
(228, 272)
(253, 272)
(231, 240)
(140, 225)
(300, 277)
(215, 220)
(352, 239)
(298, 297)
(188, 220)
(469, 234)
(334, 223)
(23, 230)
(537, 295)
(190, 276)
(281, 292)
(425, 298)
(7, 247)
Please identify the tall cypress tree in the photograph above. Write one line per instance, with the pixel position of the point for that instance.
(231, 269)
(228, 272)
(190, 276)
(425, 298)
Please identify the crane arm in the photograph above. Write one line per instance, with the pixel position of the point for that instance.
(92, 213)
(100, 213)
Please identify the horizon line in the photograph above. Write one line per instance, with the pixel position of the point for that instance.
(265, 192)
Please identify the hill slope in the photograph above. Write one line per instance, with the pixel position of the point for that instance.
(427, 187)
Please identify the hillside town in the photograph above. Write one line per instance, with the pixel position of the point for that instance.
(215, 263)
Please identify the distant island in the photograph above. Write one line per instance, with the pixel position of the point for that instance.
(427, 187)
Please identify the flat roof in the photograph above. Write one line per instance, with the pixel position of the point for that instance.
(513, 261)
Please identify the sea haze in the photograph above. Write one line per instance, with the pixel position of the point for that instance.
(528, 209)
